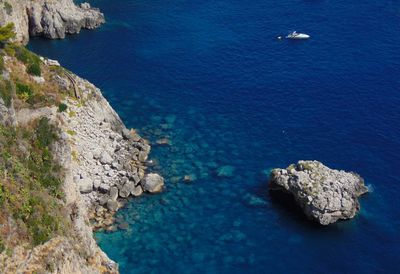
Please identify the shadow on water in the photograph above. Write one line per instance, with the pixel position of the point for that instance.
(285, 204)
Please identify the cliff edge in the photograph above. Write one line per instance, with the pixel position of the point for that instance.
(68, 162)
(48, 18)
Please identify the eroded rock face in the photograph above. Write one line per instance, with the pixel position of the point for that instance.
(50, 19)
(325, 195)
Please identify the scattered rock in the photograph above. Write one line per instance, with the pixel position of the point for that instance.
(38, 79)
(143, 156)
(85, 185)
(112, 205)
(325, 195)
(137, 191)
(96, 153)
(85, 6)
(50, 62)
(105, 158)
(103, 200)
(113, 193)
(126, 134)
(126, 189)
(104, 187)
(153, 183)
(96, 183)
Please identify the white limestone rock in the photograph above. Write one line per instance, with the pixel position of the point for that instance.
(153, 183)
(325, 195)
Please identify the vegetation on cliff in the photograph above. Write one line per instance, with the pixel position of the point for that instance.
(31, 196)
(30, 185)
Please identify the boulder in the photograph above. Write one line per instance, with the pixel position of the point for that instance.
(96, 183)
(126, 134)
(126, 189)
(103, 200)
(113, 193)
(106, 158)
(153, 183)
(112, 205)
(325, 195)
(85, 6)
(85, 185)
(104, 187)
(137, 191)
(143, 156)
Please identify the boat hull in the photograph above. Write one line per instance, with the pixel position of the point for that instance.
(300, 36)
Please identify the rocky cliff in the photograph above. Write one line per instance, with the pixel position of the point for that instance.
(74, 250)
(48, 18)
(102, 163)
(325, 195)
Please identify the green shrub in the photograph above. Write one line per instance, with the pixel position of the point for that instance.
(45, 132)
(71, 132)
(31, 191)
(2, 246)
(22, 54)
(8, 8)
(62, 107)
(28, 58)
(24, 92)
(6, 89)
(2, 65)
(34, 69)
(9, 49)
(6, 33)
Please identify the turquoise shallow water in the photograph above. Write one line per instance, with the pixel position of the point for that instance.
(212, 78)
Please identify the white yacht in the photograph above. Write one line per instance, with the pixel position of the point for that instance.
(297, 35)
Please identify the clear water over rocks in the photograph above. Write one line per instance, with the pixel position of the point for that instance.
(223, 102)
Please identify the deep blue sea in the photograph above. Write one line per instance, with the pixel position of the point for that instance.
(212, 77)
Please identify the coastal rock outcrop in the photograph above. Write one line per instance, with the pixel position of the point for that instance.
(325, 195)
(103, 163)
(50, 19)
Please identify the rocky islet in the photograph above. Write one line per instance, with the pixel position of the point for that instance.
(325, 195)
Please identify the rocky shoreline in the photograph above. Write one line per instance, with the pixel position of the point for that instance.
(104, 162)
(109, 161)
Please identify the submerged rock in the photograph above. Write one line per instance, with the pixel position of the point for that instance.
(153, 183)
(325, 195)
(225, 171)
(253, 201)
(188, 179)
(163, 142)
